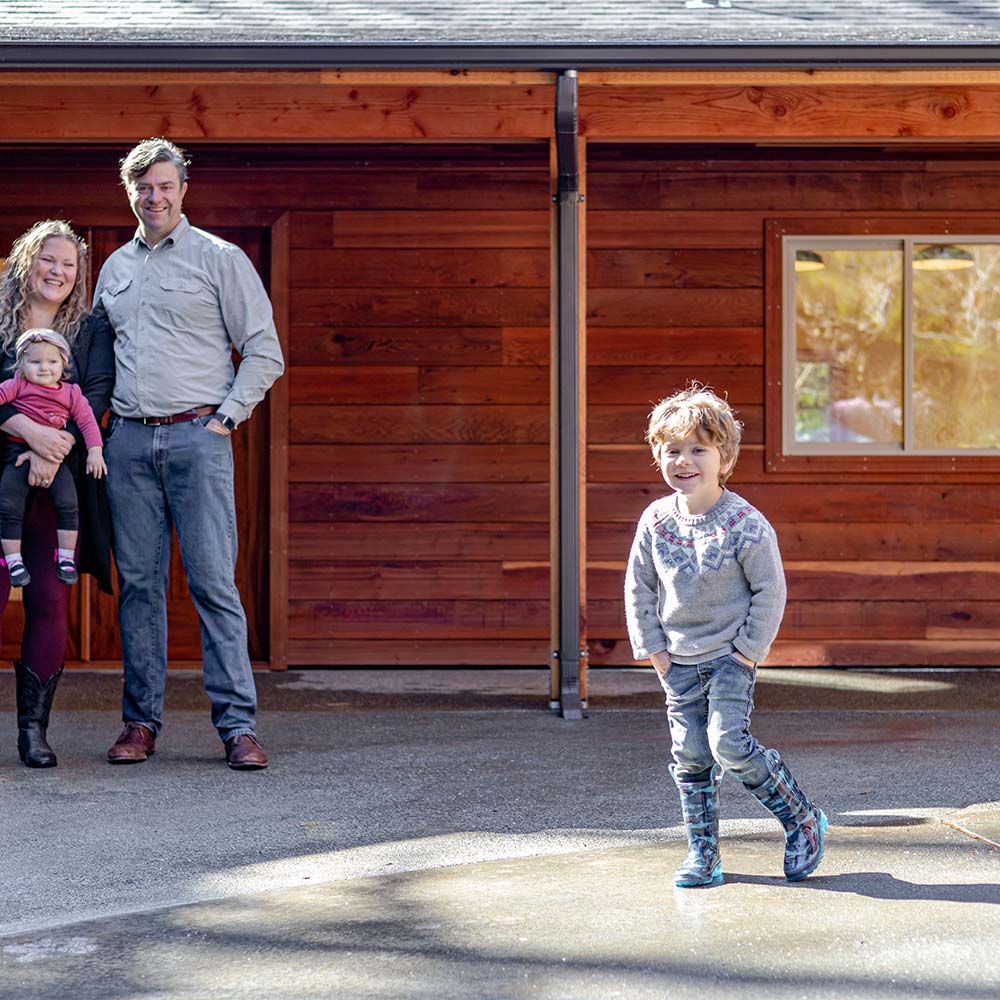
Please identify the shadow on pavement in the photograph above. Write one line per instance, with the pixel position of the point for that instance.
(882, 885)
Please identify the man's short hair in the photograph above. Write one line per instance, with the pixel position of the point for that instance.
(696, 410)
(142, 156)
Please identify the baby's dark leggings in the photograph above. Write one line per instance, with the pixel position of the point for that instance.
(14, 495)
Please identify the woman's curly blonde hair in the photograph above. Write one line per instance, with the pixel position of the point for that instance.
(14, 290)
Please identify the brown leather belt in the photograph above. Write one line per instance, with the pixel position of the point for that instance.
(175, 418)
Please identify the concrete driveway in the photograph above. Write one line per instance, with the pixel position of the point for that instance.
(435, 834)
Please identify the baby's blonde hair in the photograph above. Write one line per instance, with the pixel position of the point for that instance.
(42, 335)
(696, 410)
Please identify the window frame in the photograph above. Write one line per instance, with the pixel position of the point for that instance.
(856, 462)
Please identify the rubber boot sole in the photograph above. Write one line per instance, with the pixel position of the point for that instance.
(823, 824)
(714, 879)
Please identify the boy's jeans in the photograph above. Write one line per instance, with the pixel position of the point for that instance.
(181, 475)
(708, 708)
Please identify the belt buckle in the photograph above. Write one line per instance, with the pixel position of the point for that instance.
(151, 421)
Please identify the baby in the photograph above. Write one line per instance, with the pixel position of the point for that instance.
(39, 390)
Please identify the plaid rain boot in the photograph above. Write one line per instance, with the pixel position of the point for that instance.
(804, 823)
(700, 803)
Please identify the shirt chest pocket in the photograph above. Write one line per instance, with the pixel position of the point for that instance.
(117, 301)
(186, 302)
(175, 283)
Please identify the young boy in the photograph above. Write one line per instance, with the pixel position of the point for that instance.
(704, 595)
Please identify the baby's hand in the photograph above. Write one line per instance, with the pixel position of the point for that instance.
(95, 462)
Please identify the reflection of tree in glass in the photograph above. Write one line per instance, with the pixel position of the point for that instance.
(956, 329)
(849, 348)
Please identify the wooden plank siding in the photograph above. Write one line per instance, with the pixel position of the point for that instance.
(418, 413)
(117, 108)
(414, 305)
(827, 112)
(93, 624)
(418, 324)
(885, 568)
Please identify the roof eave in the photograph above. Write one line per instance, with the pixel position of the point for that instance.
(542, 56)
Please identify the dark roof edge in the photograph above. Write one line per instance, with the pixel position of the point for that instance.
(402, 55)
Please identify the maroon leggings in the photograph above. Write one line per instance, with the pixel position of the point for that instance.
(46, 600)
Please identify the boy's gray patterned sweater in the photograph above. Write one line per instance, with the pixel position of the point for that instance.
(700, 587)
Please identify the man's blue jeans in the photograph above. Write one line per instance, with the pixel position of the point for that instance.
(708, 708)
(178, 475)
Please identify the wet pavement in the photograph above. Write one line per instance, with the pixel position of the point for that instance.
(441, 834)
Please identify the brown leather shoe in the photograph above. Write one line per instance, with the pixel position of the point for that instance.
(244, 753)
(133, 746)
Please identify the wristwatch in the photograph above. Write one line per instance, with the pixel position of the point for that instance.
(227, 422)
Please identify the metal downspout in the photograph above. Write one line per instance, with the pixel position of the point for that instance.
(568, 361)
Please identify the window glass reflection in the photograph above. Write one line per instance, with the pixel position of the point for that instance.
(848, 346)
(956, 346)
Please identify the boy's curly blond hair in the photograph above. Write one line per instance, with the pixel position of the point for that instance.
(696, 410)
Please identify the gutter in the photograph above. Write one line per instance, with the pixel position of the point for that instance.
(107, 55)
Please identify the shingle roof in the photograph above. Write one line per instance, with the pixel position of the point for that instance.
(503, 22)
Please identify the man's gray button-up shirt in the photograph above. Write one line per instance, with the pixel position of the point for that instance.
(178, 309)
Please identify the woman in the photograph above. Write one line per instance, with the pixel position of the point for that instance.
(45, 285)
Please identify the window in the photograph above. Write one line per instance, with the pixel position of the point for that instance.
(890, 345)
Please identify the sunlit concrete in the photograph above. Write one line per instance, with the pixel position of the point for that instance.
(853, 680)
(898, 913)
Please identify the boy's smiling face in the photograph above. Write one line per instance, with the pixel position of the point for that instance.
(691, 467)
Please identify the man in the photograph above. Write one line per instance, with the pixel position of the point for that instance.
(179, 299)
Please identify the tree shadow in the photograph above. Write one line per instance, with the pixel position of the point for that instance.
(882, 885)
(385, 939)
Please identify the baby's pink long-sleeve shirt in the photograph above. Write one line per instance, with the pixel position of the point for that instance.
(52, 406)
